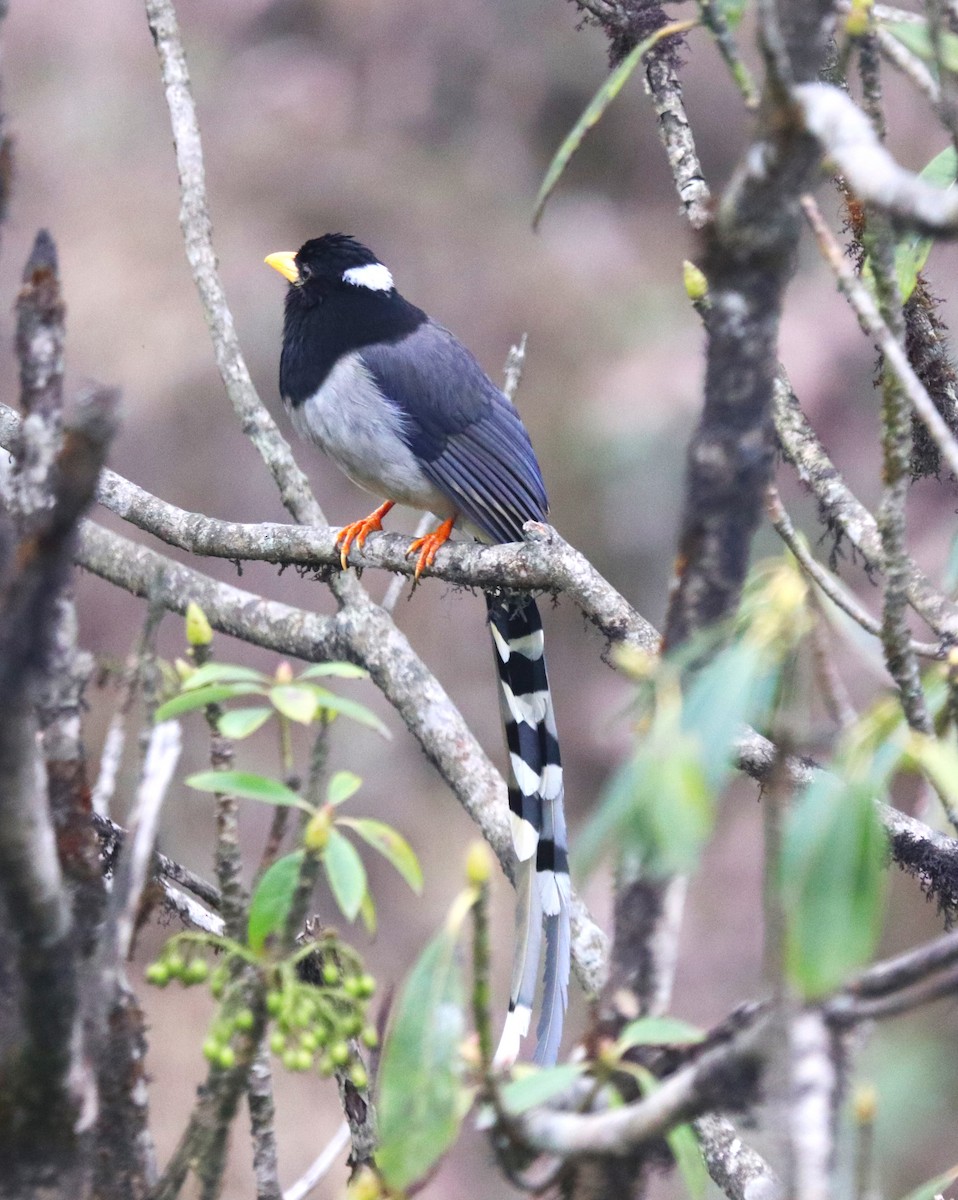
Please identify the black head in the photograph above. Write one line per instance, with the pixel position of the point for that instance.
(332, 263)
(341, 299)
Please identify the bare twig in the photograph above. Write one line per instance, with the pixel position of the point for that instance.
(162, 756)
(830, 585)
(736, 1168)
(262, 1119)
(321, 1166)
(845, 513)
(871, 321)
(814, 1093)
(847, 138)
(197, 236)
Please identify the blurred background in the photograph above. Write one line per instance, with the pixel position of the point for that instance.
(424, 128)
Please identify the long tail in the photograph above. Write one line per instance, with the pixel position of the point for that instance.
(538, 829)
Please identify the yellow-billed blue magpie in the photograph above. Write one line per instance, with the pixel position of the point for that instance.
(407, 412)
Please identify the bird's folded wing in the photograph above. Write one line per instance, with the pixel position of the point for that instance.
(467, 437)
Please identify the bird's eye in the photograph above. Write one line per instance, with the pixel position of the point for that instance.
(305, 272)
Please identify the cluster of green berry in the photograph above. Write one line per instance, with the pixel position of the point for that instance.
(315, 1022)
(316, 1001)
(189, 970)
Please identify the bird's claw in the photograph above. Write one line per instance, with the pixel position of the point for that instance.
(427, 546)
(356, 532)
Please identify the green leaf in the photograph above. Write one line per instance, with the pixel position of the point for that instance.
(934, 1187)
(239, 723)
(213, 694)
(367, 910)
(597, 106)
(272, 899)
(342, 785)
(832, 883)
(391, 845)
(914, 36)
(217, 672)
(537, 1087)
(657, 807)
(249, 787)
(732, 11)
(911, 252)
(658, 1031)
(420, 1082)
(342, 670)
(682, 1142)
(688, 1159)
(733, 690)
(346, 874)
(939, 761)
(297, 703)
(350, 708)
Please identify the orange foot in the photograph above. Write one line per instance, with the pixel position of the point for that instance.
(357, 531)
(428, 545)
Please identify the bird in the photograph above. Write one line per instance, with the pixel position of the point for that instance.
(400, 404)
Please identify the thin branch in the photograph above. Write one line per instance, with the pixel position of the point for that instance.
(691, 1090)
(544, 562)
(162, 756)
(321, 1166)
(262, 1119)
(196, 225)
(830, 585)
(844, 512)
(814, 1094)
(871, 321)
(847, 138)
(909, 64)
(365, 635)
(735, 1167)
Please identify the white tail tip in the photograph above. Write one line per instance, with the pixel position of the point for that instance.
(514, 1030)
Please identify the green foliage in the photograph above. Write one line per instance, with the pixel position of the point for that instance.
(301, 701)
(421, 1094)
(912, 250)
(832, 877)
(682, 1143)
(312, 1022)
(915, 36)
(660, 806)
(395, 849)
(657, 1031)
(248, 786)
(272, 900)
(296, 699)
(533, 1087)
(732, 11)
(934, 1187)
(346, 874)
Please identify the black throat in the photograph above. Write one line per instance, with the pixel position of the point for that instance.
(317, 332)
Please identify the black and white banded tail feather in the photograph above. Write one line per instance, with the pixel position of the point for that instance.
(538, 830)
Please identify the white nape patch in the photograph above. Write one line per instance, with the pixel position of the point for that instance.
(530, 707)
(374, 276)
(525, 837)
(526, 778)
(514, 1030)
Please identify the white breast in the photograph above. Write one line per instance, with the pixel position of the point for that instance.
(359, 428)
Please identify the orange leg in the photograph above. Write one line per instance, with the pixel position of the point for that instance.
(357, 531)
(428, 545)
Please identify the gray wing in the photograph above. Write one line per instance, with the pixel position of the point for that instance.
(466, 436)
